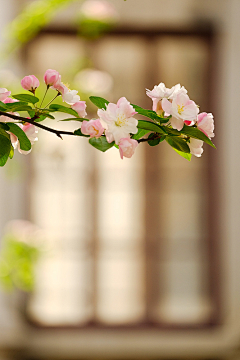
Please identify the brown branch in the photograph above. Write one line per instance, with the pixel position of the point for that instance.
(149, 139)
(41, 126)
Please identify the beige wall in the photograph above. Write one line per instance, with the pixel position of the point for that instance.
(218, 343)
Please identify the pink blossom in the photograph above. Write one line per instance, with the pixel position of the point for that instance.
(118, 120)
(59, 86)
(5, 118)
(70, 96)
(127, 147)
(182, 109)
(4, 93)
(80, 108)
(195, 147)
(98, 10)
(10, 100)
(93, 128)
(205, 124)
(30, 83)
(160, 91)
(51, 77)
(31, 132)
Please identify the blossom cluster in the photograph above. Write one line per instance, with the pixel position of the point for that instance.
(174, 118)
(176, 102)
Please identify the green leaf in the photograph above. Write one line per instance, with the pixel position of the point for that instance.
(18, 106)
(2, 106)
(178, 144)
(5, 147)
(31, 113)
(25, 144)
(148, 113)
(99, 102)
(157, 141)
(40, 118)
(64, 109)
(75, 119)
(197, 134)
(140, 134)
(184, 155)
(79, 133)
(48, 116)
(11, 152)
(172, 131)
(148, 125)
(101, 143)
(4, 127)
(26, 98)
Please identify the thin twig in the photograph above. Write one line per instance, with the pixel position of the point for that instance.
(31, 121)
(52, 100)
(44, 95)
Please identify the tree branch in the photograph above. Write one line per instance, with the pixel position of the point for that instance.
(31, 121)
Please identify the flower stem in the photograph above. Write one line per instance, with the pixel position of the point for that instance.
(44, 95)
(52, 100)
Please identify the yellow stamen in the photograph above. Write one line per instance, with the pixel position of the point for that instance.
(121, 120)
(67, 85)
(180, 109)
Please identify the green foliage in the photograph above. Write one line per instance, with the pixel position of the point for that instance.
(5, 147)
(178, 144)
(2, 106)
(101, 143)
(25, 144)
(99, 102)
(140, 134)
(153, 140)
(79, 133)
(17, 262)
(18, 106)
(26, 98)
(64, 109)
(75, 119)
(92, 28)
(30, 21)
(147, 113)
(150, 126)
(184, 155)
(197, 134)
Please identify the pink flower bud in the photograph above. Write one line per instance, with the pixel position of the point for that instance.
(59, 86)
(93, 128)
(205, 124)
(30, 83)
(51, 77)
(127, 147)
(195, 147)
(80, 108)
(4, 93)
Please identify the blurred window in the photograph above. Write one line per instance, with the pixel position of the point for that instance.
(128, 240)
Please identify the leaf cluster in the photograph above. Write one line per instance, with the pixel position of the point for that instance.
(159, 131)
(26, 103)
(17, 261)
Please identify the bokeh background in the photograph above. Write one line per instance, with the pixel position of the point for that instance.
(139, 258)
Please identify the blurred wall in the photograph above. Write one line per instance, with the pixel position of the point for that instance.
(222, 342)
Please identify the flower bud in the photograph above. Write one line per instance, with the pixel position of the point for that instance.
(93, 128)
(80, 108)
(127, 147)
(51, 77)
(4, 93)
(30, 83)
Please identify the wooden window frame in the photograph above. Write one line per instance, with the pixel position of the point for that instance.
(213, 247)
